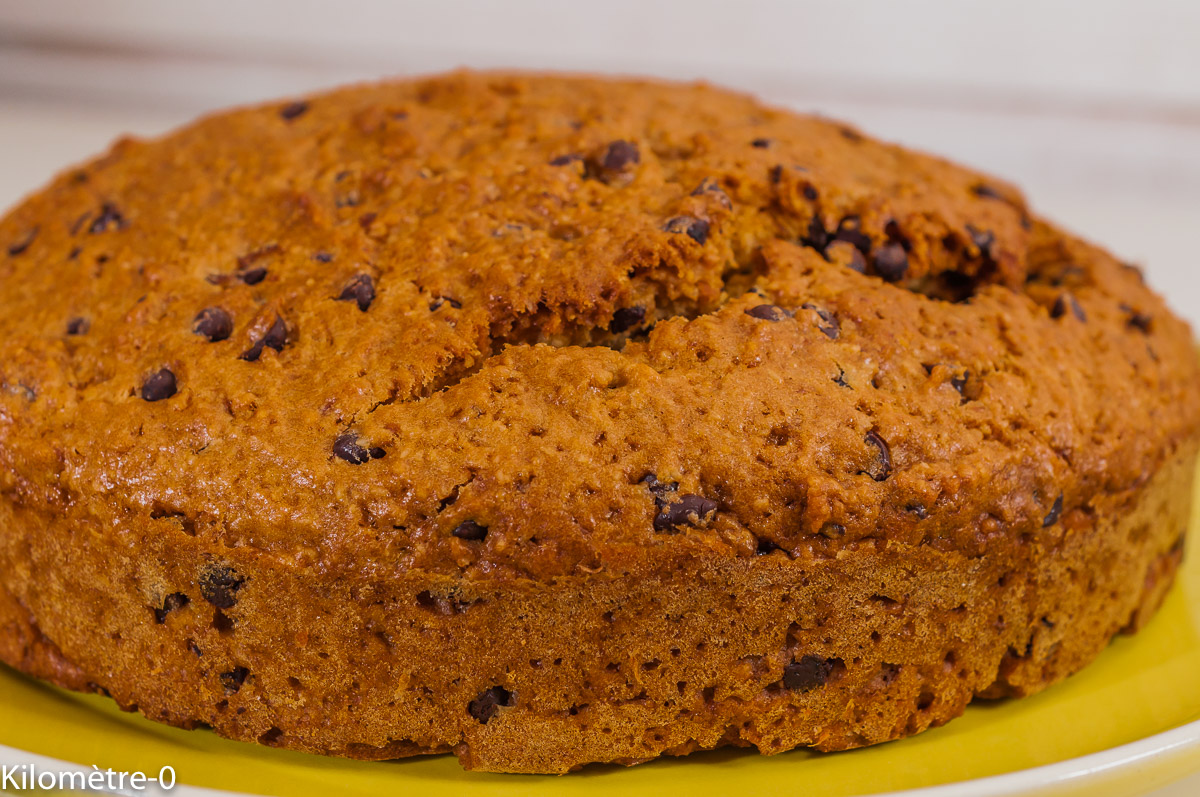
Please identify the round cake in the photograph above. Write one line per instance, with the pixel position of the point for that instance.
(551, 420)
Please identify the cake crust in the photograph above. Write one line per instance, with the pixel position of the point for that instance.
(554, 420)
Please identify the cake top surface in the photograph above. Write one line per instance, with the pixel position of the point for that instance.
(503, 325)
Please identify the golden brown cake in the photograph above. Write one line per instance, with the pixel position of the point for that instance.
(550, 420)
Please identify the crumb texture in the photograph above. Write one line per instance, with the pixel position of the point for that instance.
(553, 420)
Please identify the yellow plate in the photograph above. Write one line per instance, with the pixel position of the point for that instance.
(1127, 723)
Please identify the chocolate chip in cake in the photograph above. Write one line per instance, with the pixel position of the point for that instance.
(696, 229)
(276, 337)
(377, 453)
(828, 323)
(985, 191)
(233, 680)
(658, 488)
(565, 160)
(918, 510)
(159, 385)
(484, 707)
(78, 326)
(360, 289)
(983, 240)
(110, 218)
(690, 509)
(1138, 320)
(710, 187)
(176, 600)
(620, 155)
(891, 262)
(219, 585)
(470, 530)
(832, 530)
(213, 323)
(761, 143)
(768, 312)
(817, 236)
(253, 275)
(849, 230)
(440, 300)
(346, 447)
(323, 257)
(765, 547)
(1055, 512)
(626, 318)
(22, 244)
(1067, 302)
(293, 110)
(808, 673)
(881, 464)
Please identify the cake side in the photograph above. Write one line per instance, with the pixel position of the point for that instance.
(881, 641)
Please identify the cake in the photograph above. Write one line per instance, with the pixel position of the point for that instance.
(550, 420)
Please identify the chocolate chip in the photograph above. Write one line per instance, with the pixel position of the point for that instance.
(832, 530)
(696, 229)
(626, 318)
(1063, 303)
(765, 547)
(620, 155)
(78, 326)
(323, 257)
(233, 680)
(564, 160)
(219, 585)
(983, 240)
(377, 453)
(110, 218)
(253, 276)
(346, 447)
(159, 385)
(213, 323)
(484, 707)
(709, 187)
(850, 134)
(293, 110)
(808, 673)
(276, 338)
(658, 488)
(849, 230)
(918, 510)
(881, 467)
(689, 509)
(959, 383)
(469, 530)
(176, 600)
(21, 245)
(615, 164)
(761, 143)
(775, 173)
(828, 322)
(440, 300)
(1054, 513)
(360, 289)
(768, 312)
(1138, 320)
(817, 236)
(986, 192)
(810, 193)
(891, 262)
